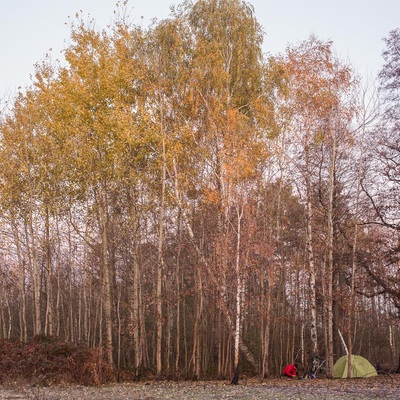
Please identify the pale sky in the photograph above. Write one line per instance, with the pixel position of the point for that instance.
(30, 28)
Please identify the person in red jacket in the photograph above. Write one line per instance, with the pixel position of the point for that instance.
(290, 371)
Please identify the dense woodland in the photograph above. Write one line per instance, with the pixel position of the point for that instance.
(195, 207)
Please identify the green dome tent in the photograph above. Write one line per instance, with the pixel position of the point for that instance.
(361, 368)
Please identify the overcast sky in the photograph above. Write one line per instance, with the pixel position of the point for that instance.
(30, 28)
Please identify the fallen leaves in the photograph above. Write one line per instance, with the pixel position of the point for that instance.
(381, 387)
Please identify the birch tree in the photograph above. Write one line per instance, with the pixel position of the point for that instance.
(320, 94)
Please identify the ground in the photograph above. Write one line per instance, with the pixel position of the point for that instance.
(381, 387)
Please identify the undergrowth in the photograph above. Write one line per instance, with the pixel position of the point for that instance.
(48, 360)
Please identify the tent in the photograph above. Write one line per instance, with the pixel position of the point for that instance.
(361, 367)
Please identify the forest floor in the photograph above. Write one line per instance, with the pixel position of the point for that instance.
(381, 387)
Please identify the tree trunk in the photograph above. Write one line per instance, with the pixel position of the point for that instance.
(239, 294)
(49, 325)
(22, 279)
(267, 322)
(138, 355)
(35, 271)
(196, 354)
(178, 301)
(310, 252)
(160, 251)
(106, 278)
(329, 270)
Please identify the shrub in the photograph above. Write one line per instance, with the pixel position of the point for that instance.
(48, 360)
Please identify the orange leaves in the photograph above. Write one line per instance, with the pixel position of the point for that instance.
(239, 154)
(320, 89)
(316, 76)
(237, 150)
(211, 196)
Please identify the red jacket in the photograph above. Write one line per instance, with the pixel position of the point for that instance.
(290, 370)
